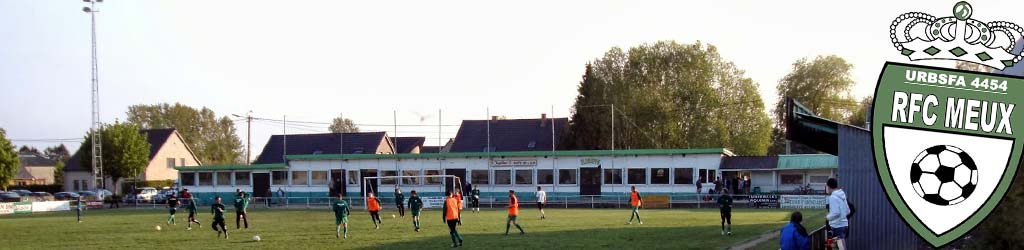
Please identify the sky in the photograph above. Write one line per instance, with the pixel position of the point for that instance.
(378, 61)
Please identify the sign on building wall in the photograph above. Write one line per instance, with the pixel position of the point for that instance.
(803, 201)
(590, 161)
(513, 163)
(433, 202)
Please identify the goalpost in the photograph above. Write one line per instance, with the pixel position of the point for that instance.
(447, 180)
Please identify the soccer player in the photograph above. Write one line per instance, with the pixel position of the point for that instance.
(218, 217)
(725, 209)
(475, 200)
(450, 215)
(341, 212)
(193, 207)
(172, 205)
(400, 201)
(241, 204)
(513, 212)
(415, 206)
(636, 202)
(542, 199)
(78, 209)
(458, 197)
(373, 205)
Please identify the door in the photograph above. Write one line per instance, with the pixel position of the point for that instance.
(373, 182)
(337, 182)
(461, 173)
(261, 184)
(590, 181)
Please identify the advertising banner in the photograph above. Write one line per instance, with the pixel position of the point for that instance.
(6, 208)
(803, 201)
(49, 206)
(23, 207)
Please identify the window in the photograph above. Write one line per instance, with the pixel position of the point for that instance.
(792, 179)
(353, 177)
(223, 178)
(524, 176)
(818, 179)
(182, 162)
(684, 176)
(411, 180)
(502, 177)
(433, 180)
(76, 185)
(170, 162)
(205, 179)
(707, 175)
(659, 175)
(280, 178)
(388, 173)
(187, 179)
(241, 178)
(613, 176)
(544, 177)
(637, 176)
(479, 177)
(318, 178)
(567, 176)
(300, 178)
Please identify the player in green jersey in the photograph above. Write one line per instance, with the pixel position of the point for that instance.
(218, 217)
(341, 211)
(415, 207)
(725, 209)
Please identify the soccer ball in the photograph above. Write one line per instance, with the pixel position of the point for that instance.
(944, 175)
(392, 216)
(255, 238)
(158, 227)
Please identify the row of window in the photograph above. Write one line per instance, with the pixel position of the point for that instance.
(799, 179)
(484, 177)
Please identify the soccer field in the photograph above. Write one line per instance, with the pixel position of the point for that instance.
(314, 229)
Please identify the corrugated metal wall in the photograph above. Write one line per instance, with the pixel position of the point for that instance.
(876, 225)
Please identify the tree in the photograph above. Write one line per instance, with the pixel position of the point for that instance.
(668, 95)
(57, 153)
(214, 140)
(125, 151)
(343, 125)
(859, 117)
(8, 160)
(26, 150)
(58, 172)
(823, 85)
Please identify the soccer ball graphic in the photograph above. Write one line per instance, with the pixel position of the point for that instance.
(255, 238)
(944, 175)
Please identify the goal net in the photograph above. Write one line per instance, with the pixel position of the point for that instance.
(421, 183)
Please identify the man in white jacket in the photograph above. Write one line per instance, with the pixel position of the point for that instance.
(838, 209)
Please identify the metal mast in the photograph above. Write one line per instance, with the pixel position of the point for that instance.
(97, 125)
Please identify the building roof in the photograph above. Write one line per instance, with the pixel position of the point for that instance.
(508, 135)
(430, 149)
(405, 145)
(809, 161)
(626, 152)
(326, 143)
(749, 163)
(155, 137)
(233, 167)
(35, 160)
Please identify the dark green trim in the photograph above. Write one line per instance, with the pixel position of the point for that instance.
(232, 167)
(626, 152)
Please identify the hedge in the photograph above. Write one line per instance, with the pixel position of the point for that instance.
(50, 188)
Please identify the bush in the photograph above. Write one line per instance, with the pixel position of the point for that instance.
(126, 186)
(50, 188)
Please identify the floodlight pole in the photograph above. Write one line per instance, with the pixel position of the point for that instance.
(97, 126)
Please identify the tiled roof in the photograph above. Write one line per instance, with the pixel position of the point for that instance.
(508, 135)
(327, 143)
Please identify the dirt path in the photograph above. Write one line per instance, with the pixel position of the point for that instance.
(756, 241)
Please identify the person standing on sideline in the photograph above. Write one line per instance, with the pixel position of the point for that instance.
(475, 199)
(699, 185)
(373, 205)
(636, 202)
(725, 210)
(415, 206)
(718, 184)
(838, 209)
(400, 201)
(794, 236)
(542, 200)
(513, 212)
(241, 205)
(78, 208)
(450, 215)
(341, 212)
(218, 217)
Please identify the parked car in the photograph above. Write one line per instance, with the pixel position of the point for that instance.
(42, 196)
(89, 196)
(146, 194)
(9, 197)
(161, 197)
(22, 192)
(66, 196)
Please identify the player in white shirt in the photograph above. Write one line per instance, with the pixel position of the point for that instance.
(542, 199)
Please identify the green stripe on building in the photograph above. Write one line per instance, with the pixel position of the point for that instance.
(816, 161)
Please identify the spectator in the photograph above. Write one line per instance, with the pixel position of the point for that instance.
(794, 235)
(718, 184)
(837, 209)
(699, 181)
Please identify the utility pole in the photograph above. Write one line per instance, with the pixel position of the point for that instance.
(97, 125)
(248, 136)
(284, 138)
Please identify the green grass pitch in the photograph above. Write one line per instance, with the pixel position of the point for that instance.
(314, 229)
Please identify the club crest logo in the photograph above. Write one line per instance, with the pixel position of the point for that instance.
(947, 142)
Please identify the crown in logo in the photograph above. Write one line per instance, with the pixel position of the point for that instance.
(920, 36)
